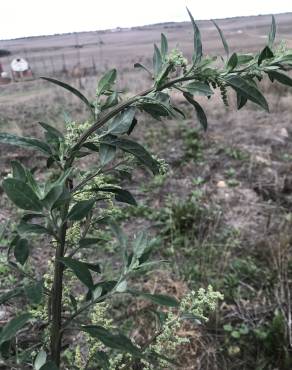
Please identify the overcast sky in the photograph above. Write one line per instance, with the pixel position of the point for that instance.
(42, 17)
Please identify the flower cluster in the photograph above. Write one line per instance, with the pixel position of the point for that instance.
(195, 303)
(177, 58)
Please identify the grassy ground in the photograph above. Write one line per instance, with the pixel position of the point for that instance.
(222, 214)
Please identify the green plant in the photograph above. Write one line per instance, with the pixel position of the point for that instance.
(73, 202)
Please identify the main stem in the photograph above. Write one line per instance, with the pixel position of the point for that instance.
(57, 292)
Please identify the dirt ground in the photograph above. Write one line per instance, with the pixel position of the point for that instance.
(223, 212)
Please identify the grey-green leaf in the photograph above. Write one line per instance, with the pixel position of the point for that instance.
(157, 60)
(232, 62)
(106, 153)
(116, 341)
(21, 195)
(18, 170)
(272, 33)
(53, 195)
(224, 42)
(121, 195)
(72, 90)
(164, 46)
(139, 65)
(81, 210)
(49, 366)
(198, 88)
(122, 122)
(80, 269)
(40, 359)
(199, 110)
(13, 326)
(160, 299)
(25, 142)
(198, 50)
(21, 251)
(52, 130)
(265, 54)
(136, 149)
(247, 90)
(34, 292)
(281, 77)
(106, 82)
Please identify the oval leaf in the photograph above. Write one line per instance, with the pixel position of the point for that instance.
(13, 326)
(81, 210)
(25, 142)
(21, 195)
(21, 251)
(247, 90)
(80, 269)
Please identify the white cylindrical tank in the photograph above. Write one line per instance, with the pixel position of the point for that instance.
(19, 65)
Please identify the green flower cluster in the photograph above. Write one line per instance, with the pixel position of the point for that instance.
(195, 303)
(200, 302)
(177, 58)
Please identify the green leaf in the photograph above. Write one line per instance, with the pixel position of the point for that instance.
(247, 90)
(272, 33)
(115, 341)
(224, 42)
(198, 88)
(106, 82)
(244, 58)
(52, 196)
(134, 148)
(21, 251)
(72, 90)
(52, 130)
(157, 60)
(49, 366)
(164, 46)
(199, 110)
(232, 62)
(265, 54)
(13, 326)
(280, 77)
(160, 299)
(121, 195)
(24, 228)
(106, 153)
(25, 142)
(34, 292)
(241, 101)
(133, 125)
(94, 267)
(101, 359)
(81, 210)
(11, 294)
(18, 171)
(80, 269)
(111, 100)
(122, 122)
(86, 242)
(139, 244)
(21, 195)
(198, 50)
(139, 65)
(40, 360)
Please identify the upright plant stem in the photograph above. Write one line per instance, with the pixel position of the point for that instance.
(57, 292)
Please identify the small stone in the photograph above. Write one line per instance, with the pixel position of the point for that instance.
(262, 160)
(221, 184)
(284, 132)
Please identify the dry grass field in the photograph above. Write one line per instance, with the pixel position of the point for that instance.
(223, 213)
